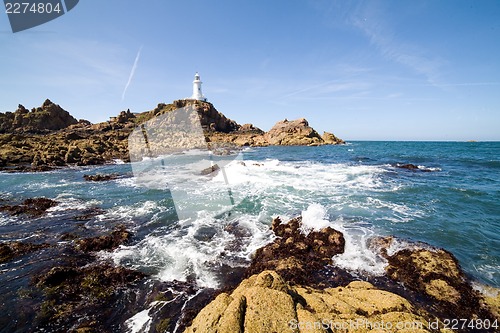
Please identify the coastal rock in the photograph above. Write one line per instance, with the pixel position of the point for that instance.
(413, 167)
(295, 132)
(100, 177)
(11, 250)
(266, 303)
(66, 141)
(80, 298)
(331, 139)
(295, 255)
(117, 237)
(32, 207)
(48, 117)
(434, 274)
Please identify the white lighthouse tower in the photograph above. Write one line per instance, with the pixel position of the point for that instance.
(197, 94)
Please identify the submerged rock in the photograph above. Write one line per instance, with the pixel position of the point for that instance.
(11, 250)
(117, 237)
(100, 177)
(32, 207)
(81, 298)
(412, 167)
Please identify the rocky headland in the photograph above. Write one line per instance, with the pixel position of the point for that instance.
(48, 136)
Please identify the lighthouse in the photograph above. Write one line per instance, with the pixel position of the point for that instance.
(197, 94)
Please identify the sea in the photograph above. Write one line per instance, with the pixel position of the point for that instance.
(182, 226)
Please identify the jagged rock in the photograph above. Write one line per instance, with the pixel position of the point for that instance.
(32, 207)
(293, 254)
(83, 143)
(266, 303)
(48, 117)
(11, 250)
(412, 167)
(118, 237)
(100, 177)
(295, 132)
(331, 139)
(435, 274)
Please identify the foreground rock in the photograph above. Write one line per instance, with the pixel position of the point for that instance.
(297, 256)
(434, 274)
(267, 303)
(286, 292)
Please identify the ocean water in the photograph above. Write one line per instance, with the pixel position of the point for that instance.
(186, 230)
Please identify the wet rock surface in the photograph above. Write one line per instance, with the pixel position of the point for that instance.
(297, 257)
(11, 250)
(117, 237)
(412, 167)
(436, 276)
(100, 177)
(32, 207)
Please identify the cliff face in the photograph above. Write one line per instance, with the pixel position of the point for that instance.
(66, 141)
(48, 117)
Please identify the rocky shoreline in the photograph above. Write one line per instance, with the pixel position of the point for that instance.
(49, 137)
(290, 285)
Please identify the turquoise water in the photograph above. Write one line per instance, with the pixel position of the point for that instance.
(356, 188)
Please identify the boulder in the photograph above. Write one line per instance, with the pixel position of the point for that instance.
(331, 139)
(295, 255)
(266, 303)
(434, 274)
(295, 132)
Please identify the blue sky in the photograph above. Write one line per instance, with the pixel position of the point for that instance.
(364, 70)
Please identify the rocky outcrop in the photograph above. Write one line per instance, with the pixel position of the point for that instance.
(32, 207)
(331, 139)
(100, 177)
(265, 302)
(11, 250)
(294, 132)
(117, 237)
(66, 141)
(436, 275)
(295, 255)
(48, 117)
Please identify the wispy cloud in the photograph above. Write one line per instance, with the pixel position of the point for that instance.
(371, 19)
(132, 72)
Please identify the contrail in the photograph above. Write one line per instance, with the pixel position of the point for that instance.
(132, 73)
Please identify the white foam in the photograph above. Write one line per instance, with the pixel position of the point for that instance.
(66, 201)
(273, 188)
(140, 322)
(182, 254)
(314, 218)
(357, 256)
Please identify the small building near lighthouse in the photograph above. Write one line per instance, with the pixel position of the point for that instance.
(197, 94)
